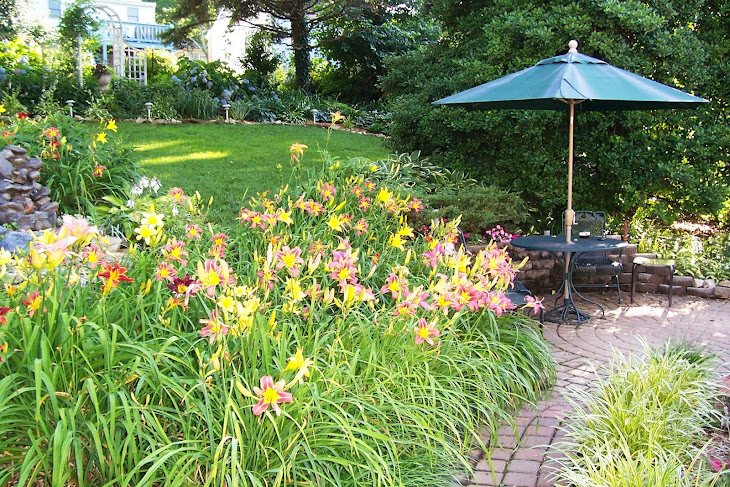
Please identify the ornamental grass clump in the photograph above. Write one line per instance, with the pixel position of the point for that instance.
(318, 340)
(644, 421)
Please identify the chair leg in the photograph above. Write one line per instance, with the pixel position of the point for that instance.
(633, 282)
(618, 288)
(671, 284)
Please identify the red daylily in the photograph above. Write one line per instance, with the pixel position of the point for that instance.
(114, 274)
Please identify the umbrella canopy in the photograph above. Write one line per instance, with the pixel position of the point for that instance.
(569, 81)
(592, 84)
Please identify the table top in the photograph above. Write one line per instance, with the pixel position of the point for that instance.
(557, 243)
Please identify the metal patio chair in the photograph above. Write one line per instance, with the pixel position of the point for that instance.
(595, 263)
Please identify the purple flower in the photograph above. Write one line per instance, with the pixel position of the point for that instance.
(210, 84)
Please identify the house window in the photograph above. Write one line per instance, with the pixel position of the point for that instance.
(133, 14)
(54, 7)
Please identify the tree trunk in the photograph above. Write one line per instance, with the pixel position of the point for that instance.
(300, 44)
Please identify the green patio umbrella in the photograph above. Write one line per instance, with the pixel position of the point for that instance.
(566, 82)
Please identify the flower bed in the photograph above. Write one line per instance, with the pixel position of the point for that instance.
(317, 341)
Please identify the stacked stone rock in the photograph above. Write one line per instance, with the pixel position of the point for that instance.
(22, 199)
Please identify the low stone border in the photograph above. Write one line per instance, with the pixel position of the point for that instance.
(542, 274)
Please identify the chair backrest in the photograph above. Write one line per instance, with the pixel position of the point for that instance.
(588, 221)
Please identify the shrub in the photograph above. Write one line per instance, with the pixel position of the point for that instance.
(81, 163)
(704, 256)
(311, 342)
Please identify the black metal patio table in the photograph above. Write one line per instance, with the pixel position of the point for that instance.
(568, 252)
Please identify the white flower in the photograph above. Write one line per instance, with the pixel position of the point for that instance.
(136, 191)
(130, 204)
(175, 211)
(144, 182)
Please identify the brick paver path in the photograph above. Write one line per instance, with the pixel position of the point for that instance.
(524, 458)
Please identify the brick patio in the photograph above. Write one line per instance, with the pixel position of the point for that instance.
(524, 458)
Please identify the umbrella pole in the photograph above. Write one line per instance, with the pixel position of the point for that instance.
(569, 213)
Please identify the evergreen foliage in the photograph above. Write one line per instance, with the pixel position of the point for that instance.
(674, 160)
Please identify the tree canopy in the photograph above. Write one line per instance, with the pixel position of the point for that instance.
(675, 161)
(287, 19)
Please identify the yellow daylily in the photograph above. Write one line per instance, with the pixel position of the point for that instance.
(2, 109)
(101, 137)
(112, 125)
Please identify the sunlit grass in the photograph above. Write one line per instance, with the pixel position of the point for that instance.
(229, 162)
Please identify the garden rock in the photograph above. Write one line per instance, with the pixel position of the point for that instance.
(722, 290)
(23, 201)
(14, 241)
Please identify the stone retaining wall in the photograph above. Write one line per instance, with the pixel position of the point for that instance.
(542, 274)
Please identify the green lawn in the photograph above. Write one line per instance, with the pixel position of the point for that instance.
(231, 161)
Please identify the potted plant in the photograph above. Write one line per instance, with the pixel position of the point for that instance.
(103, 76)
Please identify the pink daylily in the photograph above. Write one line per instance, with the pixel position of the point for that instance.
(290, 259)
(213, 328)
(165, 272)
(175, 250)
(498, 302)
(426, 332)
(271, 395)
(536, 305)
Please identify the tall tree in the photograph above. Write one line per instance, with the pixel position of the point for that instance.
(358, 44)
(287, 19)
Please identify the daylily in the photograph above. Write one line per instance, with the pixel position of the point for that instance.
(297, 150)
(214, 328)
(298, 362)
(498, 302)
(361, 227)
(165, 272)
(426, 332)
(531, 302)
(99, 171)
(219, 240)
(175, 250)
(193, 231)
(271, 395)
(336, 223)
(336, 117)
(364, 203)
(114, 274)
(178, 196)
(289, 259)
(101, 137)
(328, 191)
(147, 233)
(51, 132)
(4, 319)
(93, 255)
(32, 302)
(416, 205)
(2, 109)
(111, 125)
(152, 219)
(393, 285)
(78, 228)
(214, 273)
(226, 303)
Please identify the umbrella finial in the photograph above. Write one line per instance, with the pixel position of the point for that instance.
(573, 46)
